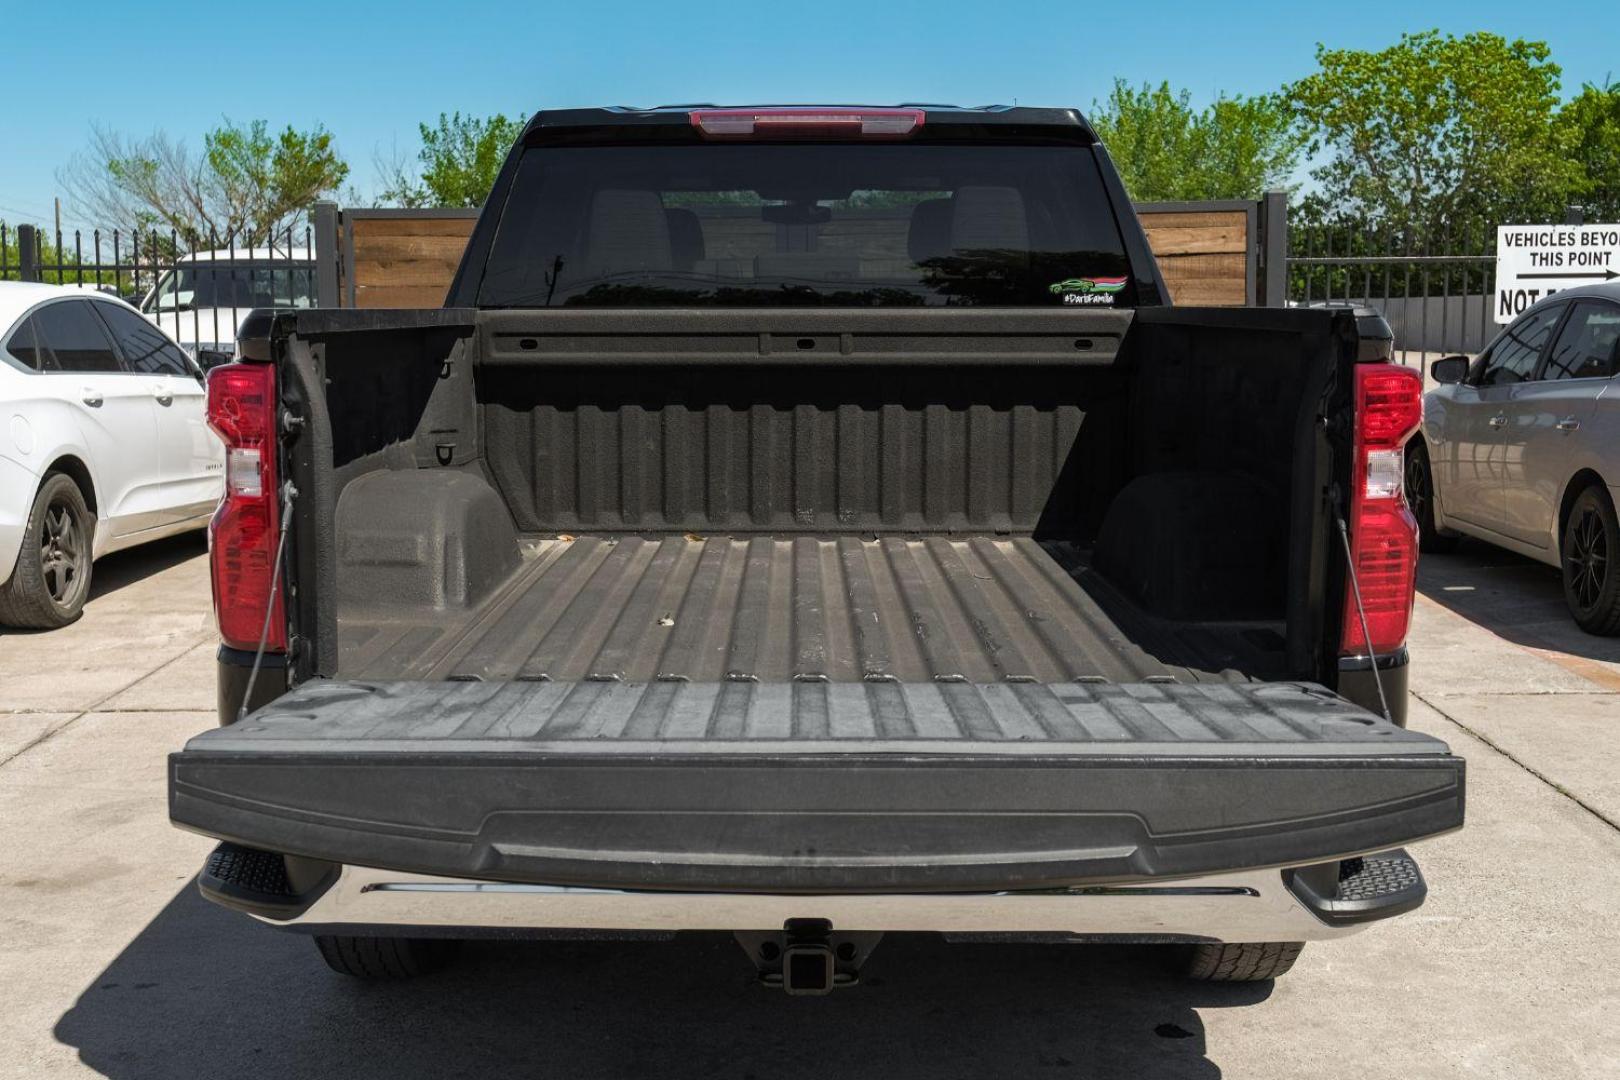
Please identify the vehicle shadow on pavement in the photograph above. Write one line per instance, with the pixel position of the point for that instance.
(124, 568)
(1515, 598)
(204, 992)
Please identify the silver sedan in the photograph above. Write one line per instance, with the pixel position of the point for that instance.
(1521, 448)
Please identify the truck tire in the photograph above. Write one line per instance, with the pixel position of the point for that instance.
(384, 958)
(1591, 546)
(1420, 497)
(1247, 962)
(51, 581)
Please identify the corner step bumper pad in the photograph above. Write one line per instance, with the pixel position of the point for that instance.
(1374, 887)
(261, 882)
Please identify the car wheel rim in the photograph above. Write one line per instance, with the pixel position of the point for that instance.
(1417, 486)
(1588, 569)
(62, 554)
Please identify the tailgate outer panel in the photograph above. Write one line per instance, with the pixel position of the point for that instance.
(760, 788)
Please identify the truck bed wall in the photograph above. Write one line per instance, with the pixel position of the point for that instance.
(806, 448)
(676, 435)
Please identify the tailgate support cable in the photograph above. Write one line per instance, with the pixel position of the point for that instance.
(1361, 613)
(288, 492)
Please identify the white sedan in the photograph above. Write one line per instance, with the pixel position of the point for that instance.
(103, 444)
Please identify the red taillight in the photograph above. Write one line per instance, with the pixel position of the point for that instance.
(807, 123)
(1389, 405)
(1383, 533)
(245, 528)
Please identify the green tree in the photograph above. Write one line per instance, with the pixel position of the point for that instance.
(245, 181)
(460, 158)
(1236, 148)
(1436, 132)
(1588, 131)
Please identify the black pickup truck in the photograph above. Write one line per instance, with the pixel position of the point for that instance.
(810, 523)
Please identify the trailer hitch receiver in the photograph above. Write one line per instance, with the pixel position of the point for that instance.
(807, 957)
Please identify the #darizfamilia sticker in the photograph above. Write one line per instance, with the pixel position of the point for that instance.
(1088, 290)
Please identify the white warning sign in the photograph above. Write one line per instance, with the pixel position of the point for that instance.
(1534, 261)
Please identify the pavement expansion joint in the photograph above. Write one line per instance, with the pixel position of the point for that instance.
(95, 706)
(1431, 702)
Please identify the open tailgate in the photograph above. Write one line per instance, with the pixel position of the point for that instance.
(815, 786)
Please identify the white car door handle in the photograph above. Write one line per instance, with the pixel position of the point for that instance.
(164, 397)
(1568, 423)
(1498, 420)
(92, 398)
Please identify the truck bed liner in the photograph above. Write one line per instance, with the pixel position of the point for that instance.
(975, 609)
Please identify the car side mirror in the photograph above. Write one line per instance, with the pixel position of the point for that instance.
(208, 359)
(1450, 369)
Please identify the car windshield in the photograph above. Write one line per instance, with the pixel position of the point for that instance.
(807, 225)
(234, 285)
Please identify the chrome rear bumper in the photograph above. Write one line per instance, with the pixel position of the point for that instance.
(1248, 906)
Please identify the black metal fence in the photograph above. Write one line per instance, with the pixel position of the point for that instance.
(1435, 290)
(195, 286)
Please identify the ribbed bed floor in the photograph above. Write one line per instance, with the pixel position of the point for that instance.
(977, 609)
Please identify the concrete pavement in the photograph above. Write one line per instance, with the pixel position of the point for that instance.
(112, 965)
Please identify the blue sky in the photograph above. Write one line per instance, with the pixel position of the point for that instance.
(371, 71)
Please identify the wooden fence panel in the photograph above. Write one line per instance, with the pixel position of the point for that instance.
(401, 261)
(1205, 255)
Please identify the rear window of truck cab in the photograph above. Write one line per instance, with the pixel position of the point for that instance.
(828, 224)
